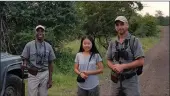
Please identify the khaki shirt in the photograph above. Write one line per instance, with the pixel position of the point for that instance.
(137, 49)
(44, 54)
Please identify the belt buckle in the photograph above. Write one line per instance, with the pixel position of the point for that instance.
(123, 77)
(39, 70)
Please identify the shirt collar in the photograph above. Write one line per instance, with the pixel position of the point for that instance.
(126, 37)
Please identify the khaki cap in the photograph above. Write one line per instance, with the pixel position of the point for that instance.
(122, 19)
(40, 26)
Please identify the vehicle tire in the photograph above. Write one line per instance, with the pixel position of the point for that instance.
(13, 86)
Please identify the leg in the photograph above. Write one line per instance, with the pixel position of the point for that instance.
(81, 92)
(132, 86)
(94, 91)
(114, 90)
(33, 83)
(43, 90)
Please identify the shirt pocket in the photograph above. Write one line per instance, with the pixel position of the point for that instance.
(47, 54)
(130, 54)
(32, 56)
(113, 52)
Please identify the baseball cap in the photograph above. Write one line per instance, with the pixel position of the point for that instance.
(40, 26)
(121, 18)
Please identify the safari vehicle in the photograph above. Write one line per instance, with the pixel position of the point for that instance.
(11, 76)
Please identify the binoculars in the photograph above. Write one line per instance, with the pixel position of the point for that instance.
(121, 53)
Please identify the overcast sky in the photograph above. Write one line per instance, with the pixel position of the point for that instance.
(151, 7)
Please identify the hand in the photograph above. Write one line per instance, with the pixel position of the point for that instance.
(49, 84)
(84, 75)
(23, 66)
(113, 67)
(118, 68)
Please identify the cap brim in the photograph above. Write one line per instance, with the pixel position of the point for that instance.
(39, 28)
(119, 21)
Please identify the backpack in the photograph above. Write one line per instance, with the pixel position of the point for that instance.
(140, 68)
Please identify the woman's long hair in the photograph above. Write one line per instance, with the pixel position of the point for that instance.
(93, 50)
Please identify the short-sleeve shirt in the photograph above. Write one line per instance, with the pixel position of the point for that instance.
(92, 81)
(136, 48)
(38, 54)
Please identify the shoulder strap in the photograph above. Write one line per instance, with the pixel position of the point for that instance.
(89, 61)
(116, 44)
(132, 44)
(126, 43)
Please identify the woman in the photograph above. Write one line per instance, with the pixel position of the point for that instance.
(88, 63)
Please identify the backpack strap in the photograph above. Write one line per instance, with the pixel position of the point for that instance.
(116, 45)
(131, 44)
(126, 44)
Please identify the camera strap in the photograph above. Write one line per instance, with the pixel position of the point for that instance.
(38, 53)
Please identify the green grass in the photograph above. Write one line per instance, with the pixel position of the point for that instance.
(65, 85)
(74, 45)
(149, 42)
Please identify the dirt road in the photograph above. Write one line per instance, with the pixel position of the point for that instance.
(155, 79)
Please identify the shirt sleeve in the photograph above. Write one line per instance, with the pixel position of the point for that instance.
(51, 54)
(138, 50)
(76, 59)
(98, 58)
(109, 53)
(26, 51)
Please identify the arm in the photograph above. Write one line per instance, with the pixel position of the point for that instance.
(25, 55)
(110, 64)
(50, 68)
(76, 70)
(138, 55)
(98, 71)
(51, 58)
(109, 56)
(134, 64)
(76, 65)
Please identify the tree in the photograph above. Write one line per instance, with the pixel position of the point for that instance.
(99, 17)
(22, 17)
(161, 20)
(147, 26)
(158, 13)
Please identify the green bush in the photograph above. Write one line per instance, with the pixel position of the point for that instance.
(65, 62)
(146, 26)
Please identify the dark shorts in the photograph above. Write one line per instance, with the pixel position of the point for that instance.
(91, 92)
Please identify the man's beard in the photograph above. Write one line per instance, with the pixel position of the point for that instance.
(122, 33)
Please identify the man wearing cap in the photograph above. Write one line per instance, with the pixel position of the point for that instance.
(124, 56)
(38, 57)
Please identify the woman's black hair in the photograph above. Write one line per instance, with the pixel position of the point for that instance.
(93, 50)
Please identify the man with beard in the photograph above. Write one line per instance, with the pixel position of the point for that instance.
(38, 57)
(124, 57)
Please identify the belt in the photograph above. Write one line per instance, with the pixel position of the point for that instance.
(41, 70)
(34, 71)
(127, 76)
